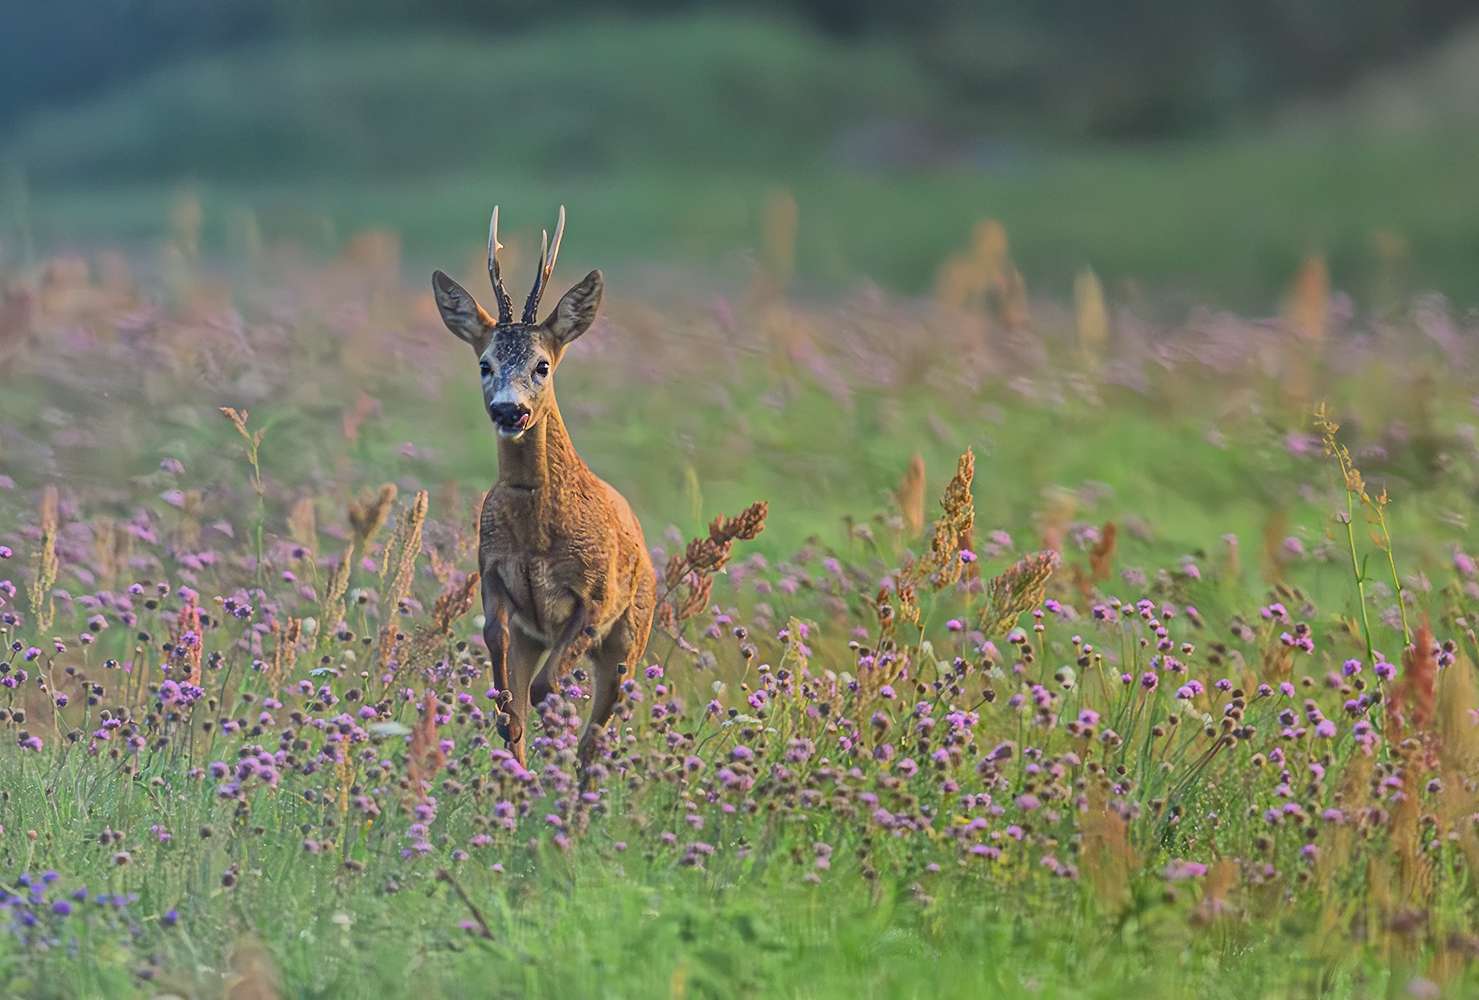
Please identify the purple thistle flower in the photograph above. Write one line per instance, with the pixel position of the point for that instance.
(1178, 871)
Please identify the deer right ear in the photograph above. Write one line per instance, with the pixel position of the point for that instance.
(461, 312)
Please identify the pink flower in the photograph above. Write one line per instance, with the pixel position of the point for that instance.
(1178, 870)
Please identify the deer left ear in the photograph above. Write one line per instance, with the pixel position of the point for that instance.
(461, 312)
(576, 311)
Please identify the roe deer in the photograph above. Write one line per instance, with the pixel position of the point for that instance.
(565, 569)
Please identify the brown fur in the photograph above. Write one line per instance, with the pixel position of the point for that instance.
(565, 568)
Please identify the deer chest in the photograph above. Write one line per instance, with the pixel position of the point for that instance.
(542, 601)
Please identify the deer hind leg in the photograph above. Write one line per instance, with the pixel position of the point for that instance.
(619, 654)
(610, 659)
(523, 660)
(574, 640)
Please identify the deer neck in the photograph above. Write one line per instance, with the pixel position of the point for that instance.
(541, 458)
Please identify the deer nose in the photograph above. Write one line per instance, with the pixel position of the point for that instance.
(509, 414)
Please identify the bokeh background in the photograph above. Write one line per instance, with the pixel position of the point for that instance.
(1185, 151)
(1121, 251)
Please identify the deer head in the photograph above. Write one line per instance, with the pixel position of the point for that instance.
(518, 360)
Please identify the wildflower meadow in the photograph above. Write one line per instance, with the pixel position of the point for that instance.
(1070, 648)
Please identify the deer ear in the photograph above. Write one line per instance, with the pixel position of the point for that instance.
(576, 311)
(461, 312)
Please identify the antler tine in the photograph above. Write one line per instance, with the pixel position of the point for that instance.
(547, 253)
(505, 306)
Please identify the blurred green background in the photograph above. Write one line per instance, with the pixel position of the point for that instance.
(1188, 152)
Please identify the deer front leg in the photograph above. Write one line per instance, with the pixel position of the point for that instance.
(523, 659)
(507, 650)
(495, 635)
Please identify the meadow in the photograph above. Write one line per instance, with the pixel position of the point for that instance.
(1084, 651)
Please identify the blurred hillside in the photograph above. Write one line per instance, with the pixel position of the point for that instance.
(694, 95)
(668, 136)
(1128, 69)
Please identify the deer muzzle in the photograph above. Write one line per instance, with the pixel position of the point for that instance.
(512, 419)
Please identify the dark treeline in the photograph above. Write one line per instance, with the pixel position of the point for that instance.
(1123, 69)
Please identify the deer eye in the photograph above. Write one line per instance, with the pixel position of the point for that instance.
(484, 368)
(542, 369)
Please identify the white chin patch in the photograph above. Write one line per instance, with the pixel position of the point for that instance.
(512, 433)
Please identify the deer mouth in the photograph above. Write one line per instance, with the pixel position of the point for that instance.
(516, 429)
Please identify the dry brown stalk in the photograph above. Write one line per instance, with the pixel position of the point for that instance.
(44, 562)
(1101, 556)
(424, 756)
(303, 524)
(405, 546)
(367, 516)
(285, 635)
(188, 621)
(1108, 858)
(333, 602)
(1309, 299)
(1222, 878)
(364, 407)
(910, 496)
(1415, 694)
(454, 602)
(1091, 315)
(239, 421)
(1021, 588)
(445, 876)
(782, 221)
(1275, 530)
(187, 535)
(940, 567)
(111, 550)
(688, 578)
(252, 975)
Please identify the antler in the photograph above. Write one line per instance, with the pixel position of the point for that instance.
(547, 254)
(505, 306)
